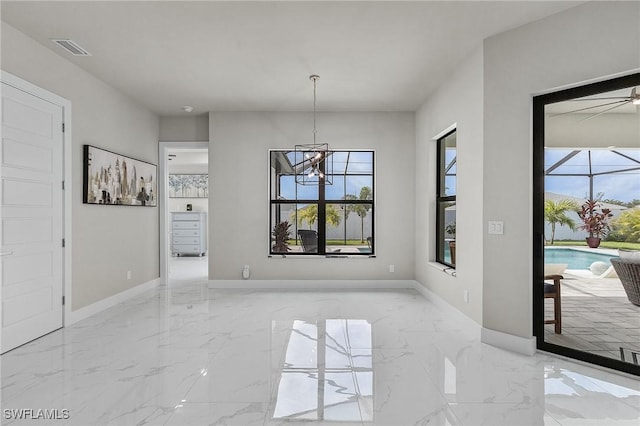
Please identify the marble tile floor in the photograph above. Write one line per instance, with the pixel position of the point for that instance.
(189, 355)
(188, 269)
(597, 317)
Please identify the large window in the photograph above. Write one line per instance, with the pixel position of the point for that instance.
(446, 200)
(322, 219)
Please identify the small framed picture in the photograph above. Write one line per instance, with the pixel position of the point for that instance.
(188, 186)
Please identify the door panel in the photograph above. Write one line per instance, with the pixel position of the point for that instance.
(31, 202)
(20, 270)
(21, 113)
(27, 306)
(24, 231)
(26, 193)
(16, 154)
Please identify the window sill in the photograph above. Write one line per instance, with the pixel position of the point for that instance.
(443, 268)
(321, 256)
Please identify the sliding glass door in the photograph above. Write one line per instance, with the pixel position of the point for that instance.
(586, 218)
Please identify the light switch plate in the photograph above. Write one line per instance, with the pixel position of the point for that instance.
(496, 227)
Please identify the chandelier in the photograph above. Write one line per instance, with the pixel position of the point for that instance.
(313, 162)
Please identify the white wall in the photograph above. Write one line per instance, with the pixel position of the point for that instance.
(180, 204)
(188, 168)
(192, 128)
(591, 41)
(238, 192)
(107, 241)
(459, 100)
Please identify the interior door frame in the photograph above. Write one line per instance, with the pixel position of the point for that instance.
(65, 104)
(163, 167)
(539, 103)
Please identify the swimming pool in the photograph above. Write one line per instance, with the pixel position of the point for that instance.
(576, 259)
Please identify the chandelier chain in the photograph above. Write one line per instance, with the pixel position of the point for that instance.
(314, 160)
(314, 78)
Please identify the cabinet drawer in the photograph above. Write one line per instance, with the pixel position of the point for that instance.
(186, 216)
(186, 240)
(186, 248)
(186, 233)
(186, 225)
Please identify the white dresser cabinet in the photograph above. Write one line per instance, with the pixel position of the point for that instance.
(189, 233)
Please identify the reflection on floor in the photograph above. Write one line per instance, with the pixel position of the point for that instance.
(597, 317)
(327, 372)
(188, 355)
(188, 269)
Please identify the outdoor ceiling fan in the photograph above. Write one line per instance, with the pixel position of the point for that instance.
(612, 102)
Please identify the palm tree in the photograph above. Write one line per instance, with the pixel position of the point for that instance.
(555, 213)
(362, 209)
(347, 209)
(309, 214)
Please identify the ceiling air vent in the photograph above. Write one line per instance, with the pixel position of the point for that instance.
(71, 47)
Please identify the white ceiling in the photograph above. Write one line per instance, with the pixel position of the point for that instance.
(243, 56)
(614, 102)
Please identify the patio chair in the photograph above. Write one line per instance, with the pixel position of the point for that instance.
(309, 240)
(629, 273)
(552, 291)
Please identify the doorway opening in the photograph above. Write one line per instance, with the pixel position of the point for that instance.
(586, 144)
(184, 245)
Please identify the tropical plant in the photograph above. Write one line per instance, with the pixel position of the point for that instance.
(362, 209)
(450, 229)
(347, 209)
(309, 214)
(555, 213)
(595, 222)
(626, 227)
(281, 236)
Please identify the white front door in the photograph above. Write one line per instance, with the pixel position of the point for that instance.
(31, 202)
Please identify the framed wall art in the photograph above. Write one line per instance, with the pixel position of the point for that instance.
(188, 186)
(115, 179)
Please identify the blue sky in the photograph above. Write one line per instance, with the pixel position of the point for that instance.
(342, 184)
(620, 186)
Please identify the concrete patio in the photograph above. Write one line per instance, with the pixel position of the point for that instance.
(597, 317)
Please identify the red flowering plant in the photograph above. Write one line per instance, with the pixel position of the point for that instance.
(595, 222)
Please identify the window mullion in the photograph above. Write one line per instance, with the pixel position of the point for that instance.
(322, 213)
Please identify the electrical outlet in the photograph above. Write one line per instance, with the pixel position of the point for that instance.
(466, 296)
(128, 275)
(496, 227)
(392, 268)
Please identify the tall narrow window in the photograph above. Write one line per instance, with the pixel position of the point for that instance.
(336, 219)
(446, 200)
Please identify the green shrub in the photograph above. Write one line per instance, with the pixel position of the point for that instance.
(626, 227)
